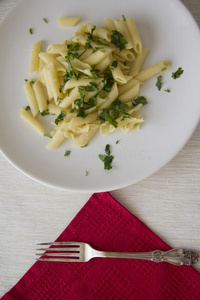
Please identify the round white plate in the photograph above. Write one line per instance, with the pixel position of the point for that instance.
(167, 28)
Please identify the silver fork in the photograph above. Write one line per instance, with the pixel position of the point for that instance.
(83, 252)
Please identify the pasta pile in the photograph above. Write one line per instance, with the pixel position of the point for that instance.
(90, 83)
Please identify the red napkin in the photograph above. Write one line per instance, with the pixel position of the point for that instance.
(106, 225)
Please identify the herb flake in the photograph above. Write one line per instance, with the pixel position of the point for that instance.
(159, 82)
(178, 73)
(67, 153)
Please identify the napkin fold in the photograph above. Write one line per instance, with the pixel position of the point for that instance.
(106, 225)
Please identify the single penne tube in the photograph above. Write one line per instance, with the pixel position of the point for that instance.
(40, 71)
(152, 71)
(56, 48)
(123, 29)
(49, 58)
(34, 59)
(70, 98)
(40, 97)
(30, 94)
(80, 30)
(68, 21)
(138, 62)
(98, 31)
(97, 56)
(62, 61)
(31, 121)
(105, 128)
(55, 109)
(78, 121)
(110, 25)
(57, 139)
(130, 93)
(125, 54)
(80, 66)
(82, 81)
(118, 75)
(54, 81)
(104, 63)
(84, 138)
(131, 83)
(126, 121)
(46, 82)
(133, 31)
(111, 96)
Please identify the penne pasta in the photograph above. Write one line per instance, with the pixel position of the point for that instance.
(90, 83)
(31, 97)
(31, 121)
(152, 71)
(34, 60)
(68, 21)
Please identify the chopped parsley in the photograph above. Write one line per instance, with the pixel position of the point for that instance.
(27, 108)
(45, 112)
(90, 34)
(60, 117)
(114, 63)
(86, 173)
(30, 30)
(25, 80)
(45, 20)
(159, 82)
(117, 142)
(32, 82)
(123, 17)
(178, 73)
(139, 100)
(48, 135)
(165, 68)
(167, 90)
(118, 40)
(81, 104)
(67, 153)
(107, 158)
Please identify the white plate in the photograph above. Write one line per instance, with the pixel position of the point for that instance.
(170, 118)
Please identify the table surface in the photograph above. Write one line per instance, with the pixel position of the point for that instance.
(168, 202)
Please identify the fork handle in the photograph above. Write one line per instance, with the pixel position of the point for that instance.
(176, 257)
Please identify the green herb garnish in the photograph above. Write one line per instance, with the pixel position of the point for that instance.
(45, 20)
(30, 30)
(32, 82)
(118, 40)
(86, 173)
(123, 17)
(114, 63)
(178, 73)
(48, 135)
(139, 100)
(27, 108)
(60, 117)
(25, 80)
(107, 159)
(159, 82)
(45, 112)
(67, 153)
(167, 90)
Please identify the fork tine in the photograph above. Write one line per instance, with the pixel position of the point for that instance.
(61, 243)
(64, 259)
(63, 254)
(60, 249)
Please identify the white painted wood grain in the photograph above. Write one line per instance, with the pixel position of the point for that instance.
(168, 202)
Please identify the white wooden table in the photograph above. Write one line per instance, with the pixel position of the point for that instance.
(168, 202)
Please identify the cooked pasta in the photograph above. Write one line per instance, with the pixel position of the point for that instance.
(90, 83)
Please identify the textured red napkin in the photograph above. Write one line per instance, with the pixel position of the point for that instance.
(107, 225)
